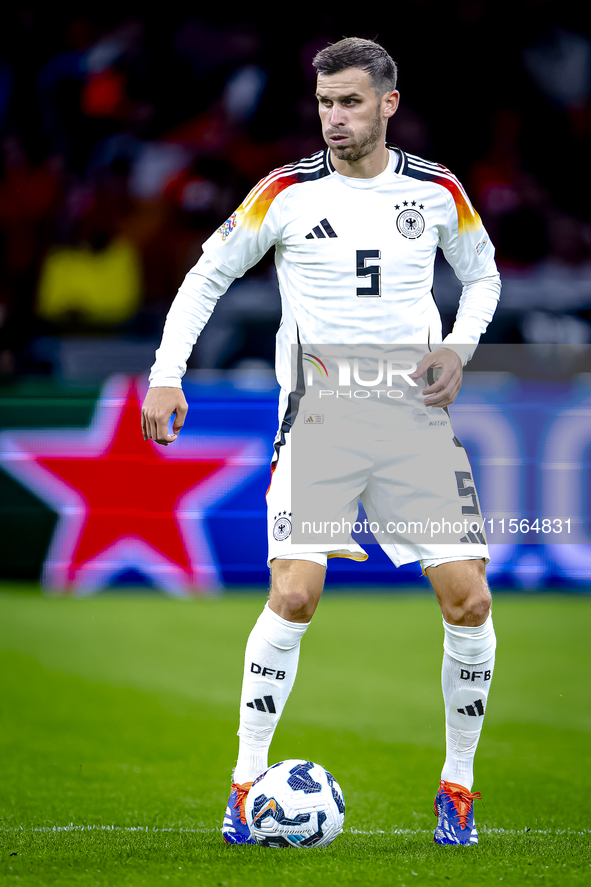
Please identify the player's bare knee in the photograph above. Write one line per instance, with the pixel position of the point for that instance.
(462, 591)
(467, 606)
(296, 587)
(477, 609)
(295, 604)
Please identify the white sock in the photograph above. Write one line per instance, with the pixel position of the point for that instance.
(468, 664)
(270, 666)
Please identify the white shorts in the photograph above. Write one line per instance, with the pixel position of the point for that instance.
(322, 559)
(416, 488)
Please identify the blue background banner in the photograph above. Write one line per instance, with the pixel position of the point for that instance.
(528, 442)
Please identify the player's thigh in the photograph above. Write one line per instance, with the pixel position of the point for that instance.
(294, 526)
(423, 495)
(296, 586)
(462, 591)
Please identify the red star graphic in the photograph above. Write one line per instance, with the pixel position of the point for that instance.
(130, 490)
(115, 489)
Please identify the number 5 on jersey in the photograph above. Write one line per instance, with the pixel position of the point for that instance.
(374, 272)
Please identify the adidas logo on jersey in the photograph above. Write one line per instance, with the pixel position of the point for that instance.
(324, 229)
(473, 711)
(474, 537)
(265, 704)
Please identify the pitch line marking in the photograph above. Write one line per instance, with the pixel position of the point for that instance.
(71, 827)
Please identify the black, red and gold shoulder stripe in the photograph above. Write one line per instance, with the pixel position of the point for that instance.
(425, 170)
(253, 210)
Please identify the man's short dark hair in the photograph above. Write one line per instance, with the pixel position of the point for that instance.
(356, 52)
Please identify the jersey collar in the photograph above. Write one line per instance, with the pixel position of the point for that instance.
(397, 167)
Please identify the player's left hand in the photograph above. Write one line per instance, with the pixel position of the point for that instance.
(446, 388)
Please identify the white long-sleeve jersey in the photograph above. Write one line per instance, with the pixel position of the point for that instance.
(354, 261)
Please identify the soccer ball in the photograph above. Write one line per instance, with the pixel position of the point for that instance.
(295, 804)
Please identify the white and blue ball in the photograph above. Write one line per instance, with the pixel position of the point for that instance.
(295, 804)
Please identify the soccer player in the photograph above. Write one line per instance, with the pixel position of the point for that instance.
(355, 230)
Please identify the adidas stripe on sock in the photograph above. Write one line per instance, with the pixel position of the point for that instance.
(270, 666)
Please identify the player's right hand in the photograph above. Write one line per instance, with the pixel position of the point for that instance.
(159, 405)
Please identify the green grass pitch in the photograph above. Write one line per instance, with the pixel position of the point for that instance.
(118, 734)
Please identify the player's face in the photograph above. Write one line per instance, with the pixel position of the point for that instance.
(353, 116)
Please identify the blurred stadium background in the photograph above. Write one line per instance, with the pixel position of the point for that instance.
(127, 137)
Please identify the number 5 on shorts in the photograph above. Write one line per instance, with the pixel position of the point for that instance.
(467, 492)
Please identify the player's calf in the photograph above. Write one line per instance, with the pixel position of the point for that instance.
(466, 676)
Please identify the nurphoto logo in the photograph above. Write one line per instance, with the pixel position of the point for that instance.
(375, 376)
